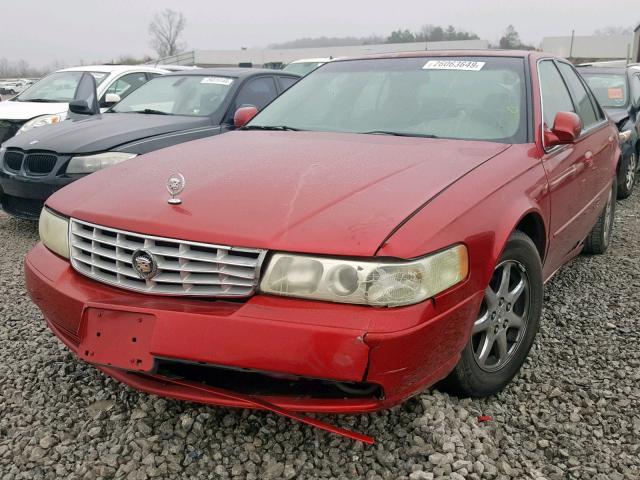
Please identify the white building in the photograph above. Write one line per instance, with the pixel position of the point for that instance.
(256, 57)
(591, 47)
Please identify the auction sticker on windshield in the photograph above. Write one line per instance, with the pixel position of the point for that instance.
(217, 80)
(453, 65)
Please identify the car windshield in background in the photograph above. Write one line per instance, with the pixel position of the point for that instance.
(609, 89)
(475, 98)
(302, 68)
(193, 95)
(57, 87)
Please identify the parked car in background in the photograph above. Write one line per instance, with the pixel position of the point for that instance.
(305, 66)
(168, 110)
(46, 102)
(385, 224)
(618, 91)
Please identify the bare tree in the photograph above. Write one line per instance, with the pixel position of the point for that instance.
(165, 30)
(614, 30)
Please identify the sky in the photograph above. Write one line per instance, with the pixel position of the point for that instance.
(73, 31)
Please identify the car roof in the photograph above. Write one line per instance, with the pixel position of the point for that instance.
(237, 72)
(112, 68)
(453, 53)
(607, 70)
(312, 60)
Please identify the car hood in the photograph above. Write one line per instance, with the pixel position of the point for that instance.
(617, 114)
(102, 132)
(11, 110)
(296, 191)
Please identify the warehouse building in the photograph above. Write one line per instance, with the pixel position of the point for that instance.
(276, 58)
(586, 48)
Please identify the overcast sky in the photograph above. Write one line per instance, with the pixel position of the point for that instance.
(43, 31)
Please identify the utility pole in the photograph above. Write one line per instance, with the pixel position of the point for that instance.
(573, 33)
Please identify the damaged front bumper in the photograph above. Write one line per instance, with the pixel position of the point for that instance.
(292, 355)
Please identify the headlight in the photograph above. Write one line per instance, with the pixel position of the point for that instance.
(41, 121)
(54, 232)
(383, 284)
(93, 163)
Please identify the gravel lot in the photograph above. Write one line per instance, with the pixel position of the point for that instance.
(574, 412)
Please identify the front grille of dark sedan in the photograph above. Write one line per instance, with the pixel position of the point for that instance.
(13, 160)
(40, 163)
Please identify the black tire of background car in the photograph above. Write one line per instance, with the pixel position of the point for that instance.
(597, 242)
(467, 379)
(624, 190)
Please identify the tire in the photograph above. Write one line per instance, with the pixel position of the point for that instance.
(599, 238)
(478, 377)
(627, 176)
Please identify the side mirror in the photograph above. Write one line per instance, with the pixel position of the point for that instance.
(244, 115)
(110, 99)
(566, 129)
(80, 107)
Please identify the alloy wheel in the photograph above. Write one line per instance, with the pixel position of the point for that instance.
(502, 322)
(608, 218)
(631, 171)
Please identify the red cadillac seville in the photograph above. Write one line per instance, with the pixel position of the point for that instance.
(387, 223)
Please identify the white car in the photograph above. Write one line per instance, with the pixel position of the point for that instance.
(306, 65)
(47, 101)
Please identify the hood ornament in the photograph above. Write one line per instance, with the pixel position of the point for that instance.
(175, 186)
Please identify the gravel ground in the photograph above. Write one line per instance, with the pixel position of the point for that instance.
(574, 412)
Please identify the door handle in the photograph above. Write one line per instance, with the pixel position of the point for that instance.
(588, 157)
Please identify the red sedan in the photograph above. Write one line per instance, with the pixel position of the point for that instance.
(387, 223)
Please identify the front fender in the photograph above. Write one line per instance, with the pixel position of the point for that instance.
(481, 210)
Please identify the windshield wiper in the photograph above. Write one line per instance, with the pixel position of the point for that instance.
(41, 100)
(270, 127)
(399, 134)
(149, 111)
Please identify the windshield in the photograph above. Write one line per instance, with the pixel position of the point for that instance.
(479, 98)
(609, 89)
(302, 68)
(193, 95)
(58, 87)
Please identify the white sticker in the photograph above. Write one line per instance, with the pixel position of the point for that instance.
(217, 80)
(453, 65)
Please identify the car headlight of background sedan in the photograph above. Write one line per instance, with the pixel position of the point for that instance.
(366, 282)
(93, 163)
(41, 121)
(54, 232)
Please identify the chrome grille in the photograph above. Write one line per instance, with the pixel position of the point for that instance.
(184, 268)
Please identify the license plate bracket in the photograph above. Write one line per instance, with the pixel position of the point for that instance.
(117, 339)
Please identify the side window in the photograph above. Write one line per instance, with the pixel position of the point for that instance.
(555, 96)
(127, 84)
(635, 88)
(287, 82)
(580, 96)
(257, 92)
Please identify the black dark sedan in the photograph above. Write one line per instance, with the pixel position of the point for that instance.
(168, 110)
(618, 92)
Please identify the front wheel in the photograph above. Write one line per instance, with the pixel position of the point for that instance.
(627, 176)
(506, 326)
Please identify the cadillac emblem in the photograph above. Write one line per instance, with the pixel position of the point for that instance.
(144, 264)
(175, 186)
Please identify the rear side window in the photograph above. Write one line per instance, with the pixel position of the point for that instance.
(287, 82)
(555, 96)
(258, 92)
(581, 98)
